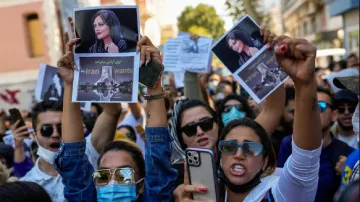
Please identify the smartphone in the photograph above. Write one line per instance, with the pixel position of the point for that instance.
(202, 171)
(16, 115)
(149, 74)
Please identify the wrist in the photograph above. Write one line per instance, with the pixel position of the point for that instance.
(153, 91)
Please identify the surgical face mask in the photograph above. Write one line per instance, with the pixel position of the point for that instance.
(355, 121)
(233, 114)
(213, 85)
(117, 192)
(47, 155)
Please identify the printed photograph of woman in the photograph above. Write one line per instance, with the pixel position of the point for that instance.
(107, 30)
(239, 44)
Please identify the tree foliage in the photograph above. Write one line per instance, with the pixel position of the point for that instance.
(238, 8)
(202, 19)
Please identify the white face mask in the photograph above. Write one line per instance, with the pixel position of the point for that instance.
(355, 121)
(47, 155)
(213, 84)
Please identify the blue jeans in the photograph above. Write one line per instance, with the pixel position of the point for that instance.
(74, 167)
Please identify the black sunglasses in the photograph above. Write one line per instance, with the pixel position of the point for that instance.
(191, 128)
(46, 130)
(351, 109)
(228, 108)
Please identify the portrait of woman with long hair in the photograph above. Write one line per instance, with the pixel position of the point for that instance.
(108, 36)
(56, 90)
(240, 42)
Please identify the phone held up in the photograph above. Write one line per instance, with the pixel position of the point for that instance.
(15, 115)
(149, 74)
(202, 171)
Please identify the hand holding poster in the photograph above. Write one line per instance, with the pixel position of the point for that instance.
(109, 64)
(243, 52)
(188, 53)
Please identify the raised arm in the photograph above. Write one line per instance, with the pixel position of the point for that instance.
(301, 170)
(105, 126)
(160, 176)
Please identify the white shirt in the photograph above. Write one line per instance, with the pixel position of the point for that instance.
(351, 140)
(54, 185)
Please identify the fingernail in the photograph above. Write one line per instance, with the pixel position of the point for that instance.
(141, 62)
(146, 63)
(283, 48)
(203, 190)
(137, 49)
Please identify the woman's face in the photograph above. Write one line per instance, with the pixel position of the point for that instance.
(56, 79)
(236, 45)
(238, 168)
(101, 29)
(202, 139)
(118, 159)
(232, 103)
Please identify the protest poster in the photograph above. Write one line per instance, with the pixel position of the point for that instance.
(245, 55)
(50, 86)
(105, 79)
(261, 76)
(188, 53)
(107, 58)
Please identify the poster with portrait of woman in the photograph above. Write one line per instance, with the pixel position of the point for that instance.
(108, 30)
(50, 86)
(105, 79)
(239, 44)
(261, 76)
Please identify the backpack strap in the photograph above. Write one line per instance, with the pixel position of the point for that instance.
(268, 197)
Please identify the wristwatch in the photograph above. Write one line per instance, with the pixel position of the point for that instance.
(154, 97)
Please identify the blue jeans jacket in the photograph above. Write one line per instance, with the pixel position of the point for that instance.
(74, 167)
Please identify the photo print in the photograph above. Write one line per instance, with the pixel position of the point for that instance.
(107, 29)
(106, 79)
(261, 76)
(239, 44)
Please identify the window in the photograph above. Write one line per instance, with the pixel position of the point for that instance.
(35, 36)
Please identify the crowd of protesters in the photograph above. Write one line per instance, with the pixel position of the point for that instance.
(307, 131)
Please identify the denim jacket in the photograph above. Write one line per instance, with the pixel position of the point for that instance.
(73, 165)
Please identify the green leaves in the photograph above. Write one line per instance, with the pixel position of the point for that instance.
(202, 20)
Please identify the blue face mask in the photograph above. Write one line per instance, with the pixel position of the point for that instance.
(233, 114)
(117, 192)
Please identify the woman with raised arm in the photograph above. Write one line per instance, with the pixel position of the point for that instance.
(123, 175)
(247, 157)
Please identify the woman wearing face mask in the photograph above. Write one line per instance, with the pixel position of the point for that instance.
(122, 176)
(246, 153)
(233, 107)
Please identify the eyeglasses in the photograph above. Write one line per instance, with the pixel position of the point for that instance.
(323, 106)
(191, 128)
(46, 130)
(351, 109)
(122, 176)
(228, 108)
(247, 148)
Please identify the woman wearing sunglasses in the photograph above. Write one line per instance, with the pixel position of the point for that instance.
(122, 176)
(233, 107)
(247, 156)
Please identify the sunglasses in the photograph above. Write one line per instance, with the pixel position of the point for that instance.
(247, 148)
(323, 106)
(191, 128)
(351, 109)
(122, 176)
(228, 108)
(46, 130)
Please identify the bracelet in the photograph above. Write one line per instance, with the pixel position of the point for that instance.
(154, 97)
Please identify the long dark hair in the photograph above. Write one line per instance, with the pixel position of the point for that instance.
(131, 148)
(23, 191)
(111, 20)
(188, 104)
(246, 108)
(239, 34)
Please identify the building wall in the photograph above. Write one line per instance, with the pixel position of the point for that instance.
(15, 48)
(351, 20)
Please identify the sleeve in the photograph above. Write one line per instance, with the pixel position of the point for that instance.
(76, 171)
(20, 169)
(160, 176)
(284, 152)
(300, 176)
(192, 88)
(91, 153)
